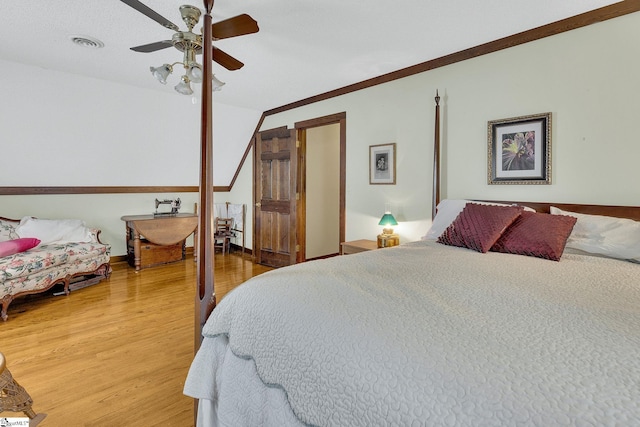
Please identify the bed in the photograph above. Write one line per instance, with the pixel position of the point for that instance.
(506, 313)
(428, 333)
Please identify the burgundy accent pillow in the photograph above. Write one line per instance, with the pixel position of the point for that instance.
(15, 246)
(536, 234)
(478, 227)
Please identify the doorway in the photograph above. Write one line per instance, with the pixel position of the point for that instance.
(322, 191)
(281, 193)
(321, 186)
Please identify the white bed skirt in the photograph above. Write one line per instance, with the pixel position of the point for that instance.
(231, 394)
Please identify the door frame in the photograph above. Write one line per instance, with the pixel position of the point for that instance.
(301, 213)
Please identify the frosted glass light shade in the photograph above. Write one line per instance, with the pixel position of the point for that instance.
(184, 87)
(216, 84)
(162, 72)
(194, 72)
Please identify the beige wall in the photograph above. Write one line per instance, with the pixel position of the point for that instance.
(323, 191)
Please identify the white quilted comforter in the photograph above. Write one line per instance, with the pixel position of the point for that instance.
(426, 334)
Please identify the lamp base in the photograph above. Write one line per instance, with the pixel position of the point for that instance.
(388, 240)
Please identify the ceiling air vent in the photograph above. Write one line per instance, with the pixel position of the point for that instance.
(86, 41)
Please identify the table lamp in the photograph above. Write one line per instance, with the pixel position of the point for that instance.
(388, 238)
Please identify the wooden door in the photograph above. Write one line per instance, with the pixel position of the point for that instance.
(275, 178)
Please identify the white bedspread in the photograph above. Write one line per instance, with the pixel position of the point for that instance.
(426, 334)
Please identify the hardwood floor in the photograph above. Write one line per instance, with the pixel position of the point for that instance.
(116, 353)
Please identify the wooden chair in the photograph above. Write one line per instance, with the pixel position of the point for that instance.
(13, 397)
(222, 234)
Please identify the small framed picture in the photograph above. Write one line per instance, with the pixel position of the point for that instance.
(382, 164)
(519, 150)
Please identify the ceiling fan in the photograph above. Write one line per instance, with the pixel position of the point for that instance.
(191, 44)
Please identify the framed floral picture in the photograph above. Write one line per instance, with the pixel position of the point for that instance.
(519, 150)
(382, 164)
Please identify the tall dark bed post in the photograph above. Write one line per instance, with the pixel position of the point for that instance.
(205, 295)
(436, 160)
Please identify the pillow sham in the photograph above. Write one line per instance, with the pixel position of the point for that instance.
(448, 210)
(536, 234)
(7, 230)
(11, 247)
(54, 230)
(604, 235)
(478, 226)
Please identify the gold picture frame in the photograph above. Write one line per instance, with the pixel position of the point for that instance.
(519, 150)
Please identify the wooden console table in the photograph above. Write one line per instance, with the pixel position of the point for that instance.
(162, 237)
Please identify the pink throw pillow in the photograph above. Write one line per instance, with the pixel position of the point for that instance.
(478, 227)
(536, 234)
(15, 246)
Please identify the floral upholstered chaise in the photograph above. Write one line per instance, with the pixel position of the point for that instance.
(36, 254)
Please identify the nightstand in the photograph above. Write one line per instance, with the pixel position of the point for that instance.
(356, 246)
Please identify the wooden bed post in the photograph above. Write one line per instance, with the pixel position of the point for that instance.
(205, 295)
(205, 299)
(436, 160)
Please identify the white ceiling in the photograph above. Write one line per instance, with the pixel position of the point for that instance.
(303, 48)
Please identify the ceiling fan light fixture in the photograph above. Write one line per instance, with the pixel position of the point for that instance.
(194, 72)
(184, 87)
(216, 85)
(162, 72)
(191, 44)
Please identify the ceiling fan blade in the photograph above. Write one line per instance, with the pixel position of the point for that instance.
(145, 10)
(232, 27)
(226, 60)
(152, 47)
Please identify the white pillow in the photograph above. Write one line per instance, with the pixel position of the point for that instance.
(54, 230)
(604, 235)
(448, 210)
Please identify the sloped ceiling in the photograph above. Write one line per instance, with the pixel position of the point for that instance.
(303, 48)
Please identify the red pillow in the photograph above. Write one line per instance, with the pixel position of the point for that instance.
(478, 227)
(536, 234)
(15, 246)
